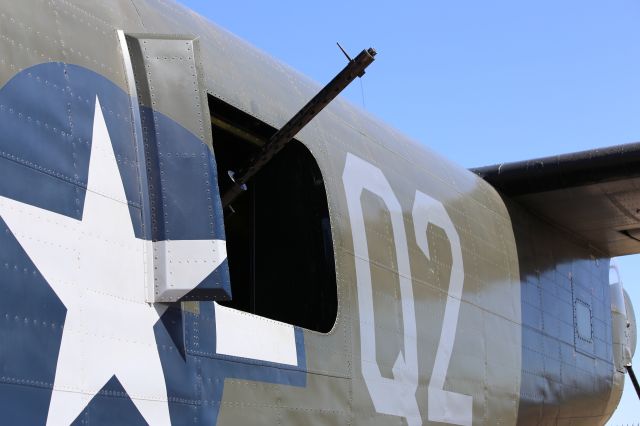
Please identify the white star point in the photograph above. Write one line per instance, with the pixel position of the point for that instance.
(96, 267)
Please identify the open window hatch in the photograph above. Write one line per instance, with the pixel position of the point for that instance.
(279, 243)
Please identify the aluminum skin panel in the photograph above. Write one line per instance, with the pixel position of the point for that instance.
(568, 375)
(166, 75)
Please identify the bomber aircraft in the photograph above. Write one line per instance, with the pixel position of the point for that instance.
(193, 233)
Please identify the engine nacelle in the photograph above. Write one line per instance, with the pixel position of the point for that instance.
(623, 324)
(631, 330)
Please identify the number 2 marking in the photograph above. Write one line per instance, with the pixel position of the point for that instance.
(397, 396)
(444, 406)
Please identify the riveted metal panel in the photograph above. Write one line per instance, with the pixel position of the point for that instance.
(567, 369)
(168, 78)
(179, 179)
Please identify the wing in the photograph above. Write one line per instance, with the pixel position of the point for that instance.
(593, 194)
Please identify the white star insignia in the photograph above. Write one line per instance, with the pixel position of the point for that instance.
(96, 267)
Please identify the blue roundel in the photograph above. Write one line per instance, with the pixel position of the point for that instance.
(46, 122)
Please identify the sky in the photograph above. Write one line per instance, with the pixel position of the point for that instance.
(479, 82)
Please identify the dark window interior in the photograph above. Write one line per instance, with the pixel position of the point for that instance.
(279, 244)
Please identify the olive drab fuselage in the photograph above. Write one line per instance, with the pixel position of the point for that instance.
(455, 305)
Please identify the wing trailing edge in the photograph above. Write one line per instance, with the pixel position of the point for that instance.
(594, 194)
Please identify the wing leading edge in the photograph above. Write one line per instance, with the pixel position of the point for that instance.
(594, 194)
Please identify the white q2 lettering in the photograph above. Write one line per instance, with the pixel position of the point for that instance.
(397, 396)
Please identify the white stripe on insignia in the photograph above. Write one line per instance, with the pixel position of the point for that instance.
(250, 336)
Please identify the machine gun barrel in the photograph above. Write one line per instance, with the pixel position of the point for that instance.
(355, 68)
